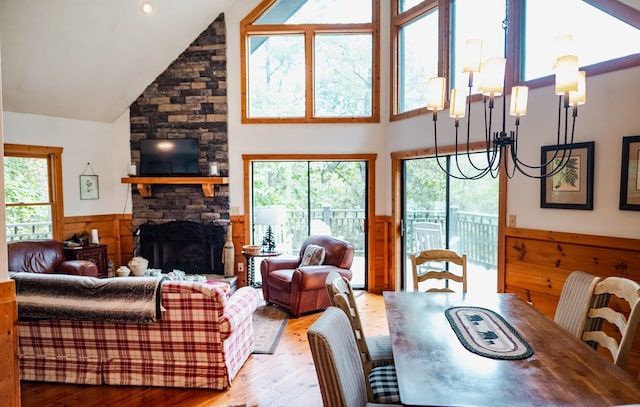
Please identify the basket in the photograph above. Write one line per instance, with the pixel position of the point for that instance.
(251, 249)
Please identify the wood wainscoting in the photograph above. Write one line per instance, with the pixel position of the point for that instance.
(10, 378)
(538, 262)
(113, 230)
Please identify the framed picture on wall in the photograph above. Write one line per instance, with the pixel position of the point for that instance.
(572, 186)
(630, 174)
(89, 187)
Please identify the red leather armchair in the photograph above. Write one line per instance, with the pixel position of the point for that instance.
(45, 256)
(302, 289)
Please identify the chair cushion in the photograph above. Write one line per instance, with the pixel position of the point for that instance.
(384, 384)
(313, 256)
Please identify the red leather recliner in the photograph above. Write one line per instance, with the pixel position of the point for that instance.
(45, 256)
(302, 289)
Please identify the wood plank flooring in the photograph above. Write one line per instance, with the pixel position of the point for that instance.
(286, 378)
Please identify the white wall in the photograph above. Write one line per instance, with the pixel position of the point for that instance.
(105, 146)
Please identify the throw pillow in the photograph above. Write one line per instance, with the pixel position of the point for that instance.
(313, 256)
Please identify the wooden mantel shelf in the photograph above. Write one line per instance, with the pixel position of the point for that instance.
(144, 183)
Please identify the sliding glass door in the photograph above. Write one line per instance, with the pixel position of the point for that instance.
(445, 212)
(311, 197)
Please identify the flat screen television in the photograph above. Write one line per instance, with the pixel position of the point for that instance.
(174, 157)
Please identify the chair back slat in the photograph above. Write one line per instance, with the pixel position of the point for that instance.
(423, 271)
(625, 290)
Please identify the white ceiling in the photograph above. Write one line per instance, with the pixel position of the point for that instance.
(90, 59)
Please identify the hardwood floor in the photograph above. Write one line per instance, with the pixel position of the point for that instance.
(286, 378)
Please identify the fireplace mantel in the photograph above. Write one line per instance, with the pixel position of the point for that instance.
(143, 184)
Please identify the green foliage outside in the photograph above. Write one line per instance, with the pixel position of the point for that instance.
(27, 194)
(338, 184)
(426, 188)
(305, 188)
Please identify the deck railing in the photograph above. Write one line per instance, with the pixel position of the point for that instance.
(471, 233)
(29, 231)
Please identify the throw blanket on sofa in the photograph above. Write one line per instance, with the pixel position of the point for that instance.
(68, 297)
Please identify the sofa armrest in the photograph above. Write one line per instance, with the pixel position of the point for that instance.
(240, 306)
(270, 264)
(314, 277)
(78, 268)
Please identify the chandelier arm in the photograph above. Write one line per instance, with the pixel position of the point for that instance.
(468, 152)
(566, 120)
(521, 165)
(462, 175)
(435, 131)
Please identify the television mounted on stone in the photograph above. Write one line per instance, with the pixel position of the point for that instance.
(169, 157)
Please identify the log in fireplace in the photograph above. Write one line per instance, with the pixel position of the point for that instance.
(195, 248)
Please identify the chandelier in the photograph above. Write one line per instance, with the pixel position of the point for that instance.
(501, 146)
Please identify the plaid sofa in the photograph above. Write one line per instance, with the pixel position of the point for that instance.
(202, 340)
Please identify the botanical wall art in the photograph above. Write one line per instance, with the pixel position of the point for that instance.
(89, 184)
(572, 186)
(630, 174)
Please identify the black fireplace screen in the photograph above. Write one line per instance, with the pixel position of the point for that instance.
(195, 248)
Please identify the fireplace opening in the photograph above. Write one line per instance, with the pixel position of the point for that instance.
(195, 248)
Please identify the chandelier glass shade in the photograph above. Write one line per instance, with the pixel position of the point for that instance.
(500, 145)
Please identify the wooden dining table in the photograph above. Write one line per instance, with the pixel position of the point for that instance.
(435, 369)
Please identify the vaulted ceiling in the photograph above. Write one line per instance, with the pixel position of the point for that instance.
(90, 59)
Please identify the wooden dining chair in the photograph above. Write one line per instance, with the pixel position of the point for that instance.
(618, 290)
(374, 350)
(576, 298)
(339, 369)
(423, 271)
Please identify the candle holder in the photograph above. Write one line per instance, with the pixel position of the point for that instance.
(213, 169)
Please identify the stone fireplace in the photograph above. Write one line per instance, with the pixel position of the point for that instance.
(193, 247)
(187, 100)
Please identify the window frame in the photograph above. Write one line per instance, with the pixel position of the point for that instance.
(248, 28)
(515, 34)
(53, 155)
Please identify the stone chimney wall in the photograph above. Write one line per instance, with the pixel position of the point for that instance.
(188, 100)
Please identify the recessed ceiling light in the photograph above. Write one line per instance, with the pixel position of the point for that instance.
(146, 7)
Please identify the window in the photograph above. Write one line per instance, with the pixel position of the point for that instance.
(33, 192)
(416, 53)
(463, 214)
(597, 36)
(605, 32)
(311, 61)
(417, 59)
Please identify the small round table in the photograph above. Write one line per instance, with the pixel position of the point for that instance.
(251, 273)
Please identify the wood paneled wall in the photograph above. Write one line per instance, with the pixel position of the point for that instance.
(382, 257)
(113, 230)
(538, 262)
(10, 376)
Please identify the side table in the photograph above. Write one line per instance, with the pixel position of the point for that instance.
(96, 253)
(251, 272)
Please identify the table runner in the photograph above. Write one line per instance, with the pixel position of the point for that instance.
(486, 333)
